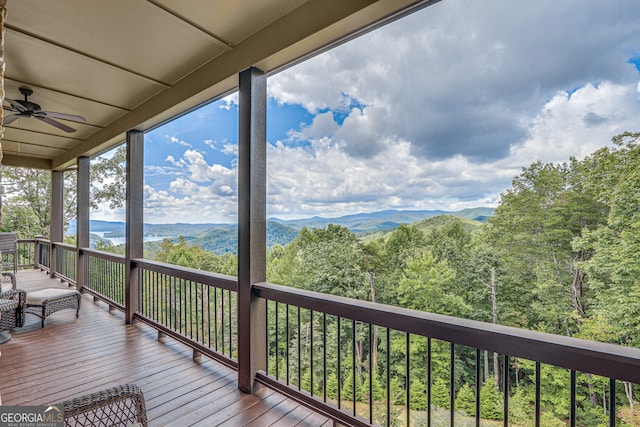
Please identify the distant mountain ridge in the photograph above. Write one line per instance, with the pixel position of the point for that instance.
(222, 238)
(384, 220)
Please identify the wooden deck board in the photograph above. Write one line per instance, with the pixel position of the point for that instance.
(71, 357)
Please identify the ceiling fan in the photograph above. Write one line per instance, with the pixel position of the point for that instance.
(26, 108)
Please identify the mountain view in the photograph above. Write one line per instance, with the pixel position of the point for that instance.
(222, 238)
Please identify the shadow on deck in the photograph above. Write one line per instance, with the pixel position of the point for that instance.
(71, 357)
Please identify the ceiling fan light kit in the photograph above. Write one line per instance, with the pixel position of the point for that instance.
(26, 108)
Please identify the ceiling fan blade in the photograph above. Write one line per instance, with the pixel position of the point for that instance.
(10, 118)
(15, 103)
(56, 123)
(64, 116)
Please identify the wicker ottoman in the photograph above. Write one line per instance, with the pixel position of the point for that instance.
(47, 301)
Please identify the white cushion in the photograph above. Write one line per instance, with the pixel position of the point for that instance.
(39, 297)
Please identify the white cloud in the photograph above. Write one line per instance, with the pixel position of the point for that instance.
(580, 123)
(179, 142)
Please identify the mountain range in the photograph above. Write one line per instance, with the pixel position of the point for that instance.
(222, 238)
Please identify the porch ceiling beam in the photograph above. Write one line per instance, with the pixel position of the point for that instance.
(26, 162)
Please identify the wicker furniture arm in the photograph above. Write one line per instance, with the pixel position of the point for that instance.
(12, 309)
(122, 405)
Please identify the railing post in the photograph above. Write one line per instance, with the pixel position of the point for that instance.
(82, 219)
(134, 220)
(252, 245)
(36, 250)
(57, 221)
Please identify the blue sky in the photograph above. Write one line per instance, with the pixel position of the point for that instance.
(439, 110)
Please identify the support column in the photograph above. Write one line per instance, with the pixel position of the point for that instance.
(56, 228)
(252, 242)
(82, 219)
(134, 220)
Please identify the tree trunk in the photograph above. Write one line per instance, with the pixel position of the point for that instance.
(628, 390)
(576, 292)
(593, 394)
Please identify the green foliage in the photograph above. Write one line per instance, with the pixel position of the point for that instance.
(466, 400)
(426, 284)
(193, 256)
(521, 407)
(491, 401)
(418, 395)
(440, 393)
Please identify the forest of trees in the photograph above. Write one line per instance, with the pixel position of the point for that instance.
(560, 255)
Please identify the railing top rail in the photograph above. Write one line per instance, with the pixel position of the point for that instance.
(64, 246)
(108, 256)
(609, 360)
(205, 277)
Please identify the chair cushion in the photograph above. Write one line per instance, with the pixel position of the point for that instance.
(39, 297)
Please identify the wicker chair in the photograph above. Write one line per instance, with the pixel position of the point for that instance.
(122, 405)
(9, 246)
(12, 306)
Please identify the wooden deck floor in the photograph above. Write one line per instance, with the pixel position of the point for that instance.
(72, 357)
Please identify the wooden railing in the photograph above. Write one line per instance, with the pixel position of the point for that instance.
(105, 277)
(66, 262)
(195, 307)
(333, 353)
(393, 332)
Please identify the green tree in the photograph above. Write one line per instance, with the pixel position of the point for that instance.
(426, 285)
(440, 393)
(491, 402)
(330, 260)
(466, 400)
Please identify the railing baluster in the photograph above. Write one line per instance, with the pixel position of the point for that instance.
(231, 307)
(612, 402)
(288, 339)
(371, 344)
(215, 323)
(222, 320)
(478, 387)
(299, 352)
(188, 315)
(200, 312)
(407, 373)
(267, 353)
(267, 340)
(505, 380)
(429, 381)
(452, 384)
(277, 346)
(388, 362)
(353, 363)
(209, 316)
(311, 367)
(572, 404)
(324, 356)
(339, 374)
(537, 405)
